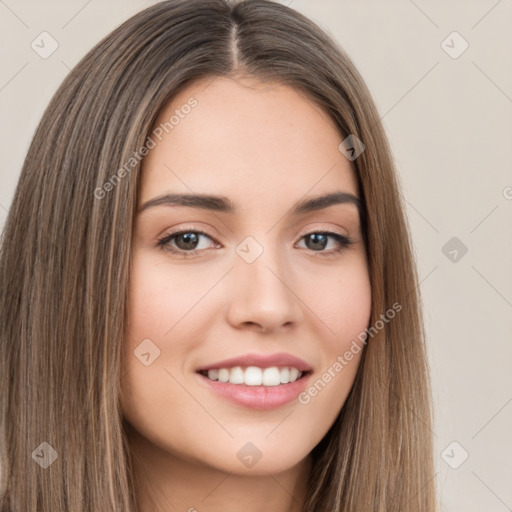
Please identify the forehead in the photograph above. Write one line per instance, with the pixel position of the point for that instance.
(248, 140)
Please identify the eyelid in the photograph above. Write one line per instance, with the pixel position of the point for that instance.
(323, 228)
(305, 231)
(187, 229)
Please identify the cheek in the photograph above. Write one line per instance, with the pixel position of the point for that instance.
(339, 301)
(158, 304)
(343, 309)
(165, 321)
(163, 300)
(352, 295)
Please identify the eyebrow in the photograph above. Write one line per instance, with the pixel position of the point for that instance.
(225, 205)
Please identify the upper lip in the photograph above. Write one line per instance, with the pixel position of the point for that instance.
(262, 361)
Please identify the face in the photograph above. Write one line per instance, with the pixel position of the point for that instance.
(234, 296)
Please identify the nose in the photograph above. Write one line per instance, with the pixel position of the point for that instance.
(263, 294)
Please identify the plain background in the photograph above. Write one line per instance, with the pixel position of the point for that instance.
(449, 121)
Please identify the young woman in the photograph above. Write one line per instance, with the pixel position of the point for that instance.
(209, 300)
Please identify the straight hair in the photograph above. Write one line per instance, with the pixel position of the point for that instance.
(64, 266)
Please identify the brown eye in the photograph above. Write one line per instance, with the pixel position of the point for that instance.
(185, 242)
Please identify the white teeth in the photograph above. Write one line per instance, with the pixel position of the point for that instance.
(213, 374)
(284, 375)
(223, 375)
(294, 374)
(271, 376)
(236, 375)
(255, 376)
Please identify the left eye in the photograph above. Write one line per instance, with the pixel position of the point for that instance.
(318, 241)
(188, 242)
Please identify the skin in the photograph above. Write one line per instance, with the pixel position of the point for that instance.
(265, 147)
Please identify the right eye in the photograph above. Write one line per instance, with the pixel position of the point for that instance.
(185, 242)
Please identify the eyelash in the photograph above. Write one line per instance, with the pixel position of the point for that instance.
(163, 243)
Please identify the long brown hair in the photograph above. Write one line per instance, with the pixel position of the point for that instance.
(64, 267)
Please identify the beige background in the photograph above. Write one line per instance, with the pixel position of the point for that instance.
(449, 121)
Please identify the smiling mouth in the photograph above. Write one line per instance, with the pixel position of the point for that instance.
(255, 376)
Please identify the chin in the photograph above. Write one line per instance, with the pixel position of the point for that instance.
(258, 457)
(270, 463)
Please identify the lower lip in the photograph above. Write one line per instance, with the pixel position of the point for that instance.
(258, 397)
